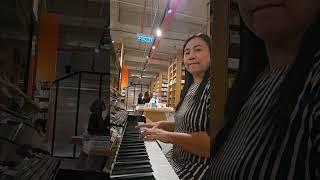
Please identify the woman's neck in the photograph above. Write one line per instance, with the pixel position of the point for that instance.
(283, 53)
(197, 78)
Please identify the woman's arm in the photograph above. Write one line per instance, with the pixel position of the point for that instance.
(165, 125)
(196, 143)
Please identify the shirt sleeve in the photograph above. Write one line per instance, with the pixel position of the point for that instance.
(315, 138)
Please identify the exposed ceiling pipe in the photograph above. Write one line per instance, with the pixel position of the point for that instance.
(165, 27)
(144, 14)
(177, 13)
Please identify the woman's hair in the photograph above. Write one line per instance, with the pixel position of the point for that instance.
(97, 105)
(188, 75)
(253, 61)
(146, 94)
(140, 95)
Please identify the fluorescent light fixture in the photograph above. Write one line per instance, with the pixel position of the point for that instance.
(159, 32)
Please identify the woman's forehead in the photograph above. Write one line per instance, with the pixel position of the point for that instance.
(195, 42)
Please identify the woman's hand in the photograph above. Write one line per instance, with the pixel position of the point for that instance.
(156, 134)
(159, 124)
(164, 125)
(147, 125)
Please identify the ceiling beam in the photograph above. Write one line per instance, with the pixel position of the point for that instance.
(151, 70)
(143, 60)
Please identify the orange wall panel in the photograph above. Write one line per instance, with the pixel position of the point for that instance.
(47, 48)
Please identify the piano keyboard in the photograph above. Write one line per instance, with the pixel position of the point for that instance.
(137, 159)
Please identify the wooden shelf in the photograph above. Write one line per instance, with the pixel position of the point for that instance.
(175, 76)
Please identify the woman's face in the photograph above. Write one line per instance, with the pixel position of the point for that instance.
(276, 20)
(196, 56)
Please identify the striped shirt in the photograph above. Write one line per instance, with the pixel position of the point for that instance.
(191, 118)
(247, 151)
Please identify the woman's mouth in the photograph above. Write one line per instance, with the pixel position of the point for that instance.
(193, 64)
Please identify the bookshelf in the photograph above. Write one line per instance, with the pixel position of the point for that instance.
(176, 79)
(160, 86)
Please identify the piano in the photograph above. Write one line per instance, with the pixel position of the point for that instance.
(137, 159)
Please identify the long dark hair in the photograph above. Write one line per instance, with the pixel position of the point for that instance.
(188, 75)
(253, 61)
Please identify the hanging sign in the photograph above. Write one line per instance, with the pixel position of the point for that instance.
(144, 38)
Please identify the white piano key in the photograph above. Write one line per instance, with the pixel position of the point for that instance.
(160, 165)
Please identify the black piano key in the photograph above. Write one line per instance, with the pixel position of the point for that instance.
(132, 167)
(133, 158)
(132, 154)
(140, 162)
(141, 176)
(124, 150)
(132, 171)
(132, 145)
(132, 141)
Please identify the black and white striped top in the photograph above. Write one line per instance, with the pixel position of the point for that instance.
(191, 118)
(247, 151)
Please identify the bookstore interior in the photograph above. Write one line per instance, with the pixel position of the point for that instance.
(79, 76)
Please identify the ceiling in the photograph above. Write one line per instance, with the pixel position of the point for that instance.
(129, 17)
(82, 23)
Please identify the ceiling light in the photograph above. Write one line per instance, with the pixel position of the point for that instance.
(140, 77)
(112, 41)
(147, 57)
(159, 33)
(153, 47)
(169, 11)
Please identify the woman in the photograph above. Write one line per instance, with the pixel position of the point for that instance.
(188, 134)
(146, 98)
(273, 129)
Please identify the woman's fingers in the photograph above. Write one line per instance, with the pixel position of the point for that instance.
(150, 137)
(144, 125)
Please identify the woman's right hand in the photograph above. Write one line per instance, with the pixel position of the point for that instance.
(149, 125)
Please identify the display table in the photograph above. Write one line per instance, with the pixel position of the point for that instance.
(153, 114)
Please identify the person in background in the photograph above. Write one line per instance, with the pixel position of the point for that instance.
(146, 97)
(97, 122)
(190, 154)
(98, 126)
(273, 113)
(140, 98)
